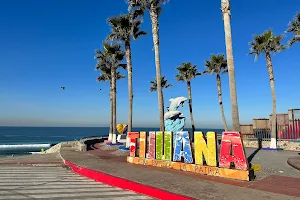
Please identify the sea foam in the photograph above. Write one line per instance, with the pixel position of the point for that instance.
(23, 146)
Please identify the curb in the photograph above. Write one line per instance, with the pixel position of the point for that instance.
(282, 150)
(125, 184)
(272, 149)
(292, 164)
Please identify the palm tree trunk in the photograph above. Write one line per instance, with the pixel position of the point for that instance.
(163, 100)
(190, 105)
(130, 92)
(111, 111)
(114, 101)
(272, 84)
(232, 84)
(155, 25)
(221, 102)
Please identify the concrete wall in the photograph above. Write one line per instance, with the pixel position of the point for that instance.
(74, 144)
(261, 123)
(246, 128)
(286, 145)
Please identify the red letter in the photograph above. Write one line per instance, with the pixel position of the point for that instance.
(238, 153)
(151, 149)
(132, 147)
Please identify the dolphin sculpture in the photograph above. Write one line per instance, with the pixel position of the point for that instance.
(176, 102)
(174, 119)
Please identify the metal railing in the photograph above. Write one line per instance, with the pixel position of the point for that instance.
(261, 134)
(284, 132)
(289, 132)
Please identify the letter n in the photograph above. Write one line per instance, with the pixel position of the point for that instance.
(207, 149)
(233, 140)
(133, 142)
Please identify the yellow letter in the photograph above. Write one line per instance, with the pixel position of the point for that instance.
(208, 150)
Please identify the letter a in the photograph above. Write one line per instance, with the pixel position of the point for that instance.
(234, 140)
(182, 139)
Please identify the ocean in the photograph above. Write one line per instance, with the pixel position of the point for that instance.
(18, 141)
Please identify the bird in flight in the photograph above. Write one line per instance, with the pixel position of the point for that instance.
(62, 87)
(100, 89)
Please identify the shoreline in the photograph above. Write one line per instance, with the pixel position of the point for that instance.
(86, 143)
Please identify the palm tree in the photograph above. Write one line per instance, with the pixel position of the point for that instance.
(105, 76)
(125, 27)
(268, 43)
(187, 72)
(217, 64)
(111, 58)
(164, 84)
(294, 27)
(155, 7)
(225, 7)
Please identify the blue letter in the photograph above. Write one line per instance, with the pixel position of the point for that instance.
(182, 139)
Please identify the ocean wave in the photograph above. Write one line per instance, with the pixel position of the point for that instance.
(23, 146)
(13, 135)
(57, 136)
(37, 152)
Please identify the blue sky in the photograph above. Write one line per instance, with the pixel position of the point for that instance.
(47, 44)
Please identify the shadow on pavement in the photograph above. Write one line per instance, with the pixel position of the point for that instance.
(255, 152)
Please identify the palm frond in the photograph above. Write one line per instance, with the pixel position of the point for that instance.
(294, 25)
(103, 77)
(179, 78)
(120, 76)
(169, 85)
(124, 27)
(187, 72)
(216, 64)
(112, 56)
(294, 40)
(152, 89)
(206, 72)
(124, 66)
(164, 84)
(113, 21)
(225, 71)
(267, 42)
(153, 82)
(113, 37)
(143, 5)
(137, 13)
(139, 34)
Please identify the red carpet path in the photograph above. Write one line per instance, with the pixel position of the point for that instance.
(111, 168)
(125, 184)
(275, 184)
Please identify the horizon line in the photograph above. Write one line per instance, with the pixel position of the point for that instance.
(89, 127)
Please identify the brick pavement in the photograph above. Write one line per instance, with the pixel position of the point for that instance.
(189, 184)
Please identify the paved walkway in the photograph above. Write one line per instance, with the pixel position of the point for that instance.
(275, 180)
(294, 162)
(269, 186)
(55, 182)
(53, 158)
(273, 163)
